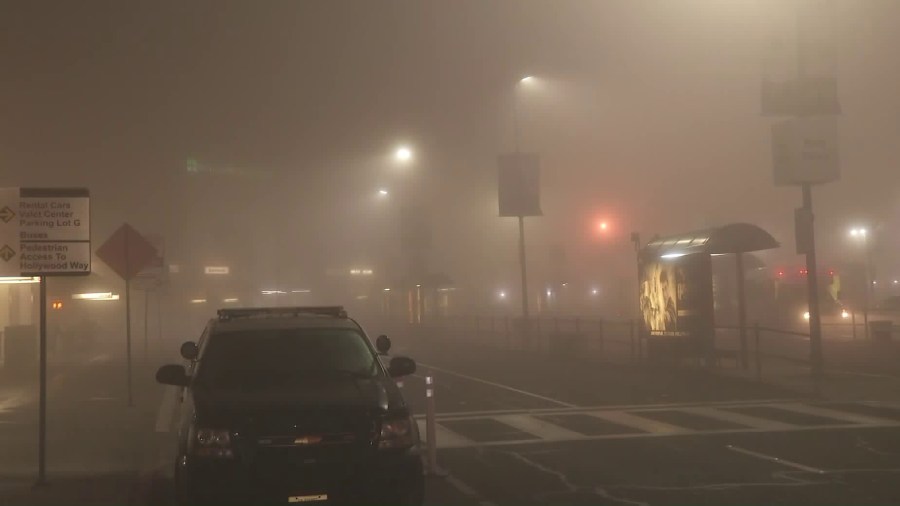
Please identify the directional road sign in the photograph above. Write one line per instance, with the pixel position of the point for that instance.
(45, 231)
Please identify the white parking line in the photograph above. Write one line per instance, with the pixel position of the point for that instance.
(777, 460)
(499, 385)
(462, 415)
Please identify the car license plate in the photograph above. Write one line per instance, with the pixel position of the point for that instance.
(308, 498)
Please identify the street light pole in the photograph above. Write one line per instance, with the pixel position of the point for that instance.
(522, 267)
(867, 296)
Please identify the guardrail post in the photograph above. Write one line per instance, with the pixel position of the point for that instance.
(430, 427)
(758, 351)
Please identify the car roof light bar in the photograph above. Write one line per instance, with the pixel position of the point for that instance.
(268, 312)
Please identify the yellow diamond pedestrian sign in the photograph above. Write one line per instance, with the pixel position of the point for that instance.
(7, 253)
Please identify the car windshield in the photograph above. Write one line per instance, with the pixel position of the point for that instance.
(283, 357)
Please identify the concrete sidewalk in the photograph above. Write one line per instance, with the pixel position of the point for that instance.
(97, 446)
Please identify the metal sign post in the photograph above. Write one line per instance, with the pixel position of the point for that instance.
(805, 147)
(44, 232)
(42, 409)
(127, 252)
(812, 278)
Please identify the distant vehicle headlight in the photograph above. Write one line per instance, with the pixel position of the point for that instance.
(806, 316)
(845, 314)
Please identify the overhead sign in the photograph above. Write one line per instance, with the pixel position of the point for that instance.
(216, 270)
(45, 231)
(127, 252)
(519, 185)
(805, 151)
(800, 59)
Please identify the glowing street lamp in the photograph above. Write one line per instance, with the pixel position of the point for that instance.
(403, 154)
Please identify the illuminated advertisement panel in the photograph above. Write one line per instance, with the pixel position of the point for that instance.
(676, 295)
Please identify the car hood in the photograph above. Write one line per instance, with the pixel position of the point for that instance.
(318, 404)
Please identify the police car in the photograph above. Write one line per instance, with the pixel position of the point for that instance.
(291, 405)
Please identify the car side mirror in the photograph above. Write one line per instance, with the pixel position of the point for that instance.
(189, 350)
(383, 344)
(173, 375)
(401, 366)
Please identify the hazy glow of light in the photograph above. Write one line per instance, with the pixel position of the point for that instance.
(92, 296)
(18, 280)
(403, 154)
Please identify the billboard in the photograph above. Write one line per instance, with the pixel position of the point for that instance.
(676, 295)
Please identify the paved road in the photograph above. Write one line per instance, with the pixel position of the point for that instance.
(513, 428)
(559, 431)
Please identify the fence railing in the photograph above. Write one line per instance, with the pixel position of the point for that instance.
(766, 348)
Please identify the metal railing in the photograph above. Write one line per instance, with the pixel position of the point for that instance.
(781, 351)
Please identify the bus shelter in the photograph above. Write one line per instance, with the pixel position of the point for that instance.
(676, 288)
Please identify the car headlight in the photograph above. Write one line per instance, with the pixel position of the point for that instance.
(845, 314)
(806, 316)
(214, 443)
(397, 433)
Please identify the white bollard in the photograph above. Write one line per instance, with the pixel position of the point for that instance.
(430, 429)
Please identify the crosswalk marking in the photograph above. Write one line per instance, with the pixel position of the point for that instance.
(738, 418)
(636, 426)
(539, 428)
(835, 414)
(638, 422)
(445, 437)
